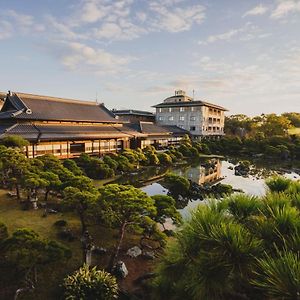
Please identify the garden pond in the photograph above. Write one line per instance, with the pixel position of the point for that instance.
(209, 172)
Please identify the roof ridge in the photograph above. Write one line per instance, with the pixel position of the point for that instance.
(56, 99)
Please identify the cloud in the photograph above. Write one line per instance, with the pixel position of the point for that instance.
(78, 56)
(169, 17)
(6, 30)
(256, 11)
(245, 33)
(285, 7)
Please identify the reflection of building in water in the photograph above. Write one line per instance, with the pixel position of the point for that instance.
(203, 174)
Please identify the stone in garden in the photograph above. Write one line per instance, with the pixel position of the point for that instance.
(149, 255)
(99, 250)
(120, 269)
(134, 252)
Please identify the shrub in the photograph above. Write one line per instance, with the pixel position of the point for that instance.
(278, 184)
(123, 164)
(176, 184)
(164, 159)
(112, 163)
(60, 223)
(90, 283)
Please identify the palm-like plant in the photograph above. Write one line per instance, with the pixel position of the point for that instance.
(278, 184)
(279, 277)
(239, 248)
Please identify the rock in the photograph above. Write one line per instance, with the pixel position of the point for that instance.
(149, 255)
(99, 250)
(120, 269)
(134, 252)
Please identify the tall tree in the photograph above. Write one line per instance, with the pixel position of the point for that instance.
(123, 206)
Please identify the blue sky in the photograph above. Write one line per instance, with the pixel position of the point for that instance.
(244, 55)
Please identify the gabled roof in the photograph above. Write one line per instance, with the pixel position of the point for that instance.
(188, 103)
(34, 107)
(132, 112)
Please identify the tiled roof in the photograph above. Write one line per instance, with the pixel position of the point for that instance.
(175, 129)
(150, 128)
(189, 103)
(33, 132)
(132, 112)
(33, 107)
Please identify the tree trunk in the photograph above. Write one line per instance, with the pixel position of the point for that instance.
(18, 192)
(46, 196)
(83, 224)
(115, 254)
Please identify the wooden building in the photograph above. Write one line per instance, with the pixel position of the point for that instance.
(66, 128)
(63, 127)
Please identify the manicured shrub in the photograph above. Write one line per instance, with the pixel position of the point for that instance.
(164, 159)
(176, 184)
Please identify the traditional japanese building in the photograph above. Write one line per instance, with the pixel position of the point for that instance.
(63, 127)
(199, 118)
(156, 135)
(134, 116)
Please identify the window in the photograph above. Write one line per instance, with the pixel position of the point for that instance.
(192, 108)
(160, 110)
(171, 118)
(160, 118)
(192, 128)
(170, 109)
(193, 118)
(181, 109)
(181, 118)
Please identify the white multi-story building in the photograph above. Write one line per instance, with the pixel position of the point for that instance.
(198, 117)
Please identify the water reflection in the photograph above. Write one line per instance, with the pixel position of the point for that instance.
(205, 173)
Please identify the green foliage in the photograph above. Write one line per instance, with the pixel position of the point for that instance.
(278, 184)
(94, 167)
(72, 166)
(152, 159)
(123, 163)
(239, 246)
(25, 249)
(124, 204)
(90, 283)
(164, 159)
(81, 200)
(14, 141)
(177, 185)
(166, 209)
(294, 118)
(278, 277)
(108, 160)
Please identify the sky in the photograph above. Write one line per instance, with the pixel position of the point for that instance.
(241, 54)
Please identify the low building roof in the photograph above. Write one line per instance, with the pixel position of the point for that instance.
(132, 112)
(188, 103)
(150, 128)
(34, 107)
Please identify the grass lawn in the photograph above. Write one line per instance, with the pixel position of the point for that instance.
(294, 131)
(51, 276)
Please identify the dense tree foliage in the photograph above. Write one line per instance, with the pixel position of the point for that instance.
(239, 248)
(14, 141)
(24, 253)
